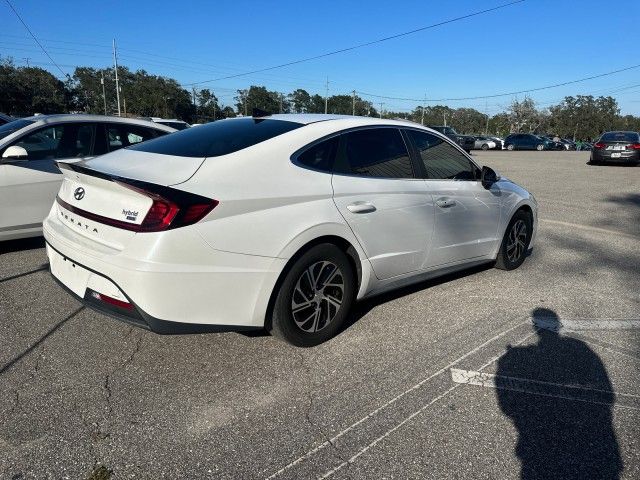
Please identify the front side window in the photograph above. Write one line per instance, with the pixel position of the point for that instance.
(320, 156)
(71, 140)
(440, 159)
(376, 152)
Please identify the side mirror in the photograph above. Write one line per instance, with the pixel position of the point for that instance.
(15, 153)
(488, 177)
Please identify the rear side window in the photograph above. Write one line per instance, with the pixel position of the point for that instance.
(376, 152)
(320, 156)
(441, 160)
(620, 137)
(217, 138)
(120, 135)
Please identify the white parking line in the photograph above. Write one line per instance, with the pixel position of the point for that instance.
(576, 325)
(536, 387)
(413, 415)
(588, 228)
(391, 402)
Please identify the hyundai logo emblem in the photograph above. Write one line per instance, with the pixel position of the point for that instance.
(78, 194)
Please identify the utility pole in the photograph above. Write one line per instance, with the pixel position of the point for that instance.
(486, 112)
(193, 90)
(26, 59)
(381, 107)
(326, 97)
(280, 97)
(124, 105)
(353, 108)
(214, 106)
(104, 95)
(115, 68)
(423, 103)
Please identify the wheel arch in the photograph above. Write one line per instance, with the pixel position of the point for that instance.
(352, 253)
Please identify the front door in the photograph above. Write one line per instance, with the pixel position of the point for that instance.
(466, 214)
(29, 186)
(382, 199)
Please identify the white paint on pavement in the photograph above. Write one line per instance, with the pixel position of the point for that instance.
(576, 325)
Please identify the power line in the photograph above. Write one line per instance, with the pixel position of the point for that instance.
(360, 45)
(35, 39)
(546, 87)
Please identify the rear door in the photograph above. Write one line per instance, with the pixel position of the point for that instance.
(380, 196)
(466, 214)
(29, 186)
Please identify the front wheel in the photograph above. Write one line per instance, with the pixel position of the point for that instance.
(540, 147)
(485, 147)
(314, 298)
(510, 147)
(515, 243)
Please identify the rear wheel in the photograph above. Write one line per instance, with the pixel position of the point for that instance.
(314, 298)
(485, 147)
(510, 146)
(515, 243)
(540, 147)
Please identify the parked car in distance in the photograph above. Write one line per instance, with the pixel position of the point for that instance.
(484, 143)
(499, 142)
(29, 148)
(617, 147)
(466, 142)
(171, 122)
(568, 144)
(551, 143)
(191, 231)
(4, 118)
(526, 141)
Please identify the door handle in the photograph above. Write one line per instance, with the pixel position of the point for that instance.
(361, 207)
(445, 202)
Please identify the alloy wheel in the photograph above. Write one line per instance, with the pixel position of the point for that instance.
(317, 296)
(517, 241)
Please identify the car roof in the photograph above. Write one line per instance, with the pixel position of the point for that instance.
(85, 117)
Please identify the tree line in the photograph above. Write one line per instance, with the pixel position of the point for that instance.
(28, 90)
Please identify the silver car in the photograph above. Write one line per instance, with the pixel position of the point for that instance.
(29, 148)
(484, 143)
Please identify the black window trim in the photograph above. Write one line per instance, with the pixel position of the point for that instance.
(441, 136)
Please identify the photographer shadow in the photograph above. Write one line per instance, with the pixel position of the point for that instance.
(560, 437)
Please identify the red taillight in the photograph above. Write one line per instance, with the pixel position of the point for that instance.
(165, 213)
(635, 146)
(179, 210)
(111, 301)
(598, 145)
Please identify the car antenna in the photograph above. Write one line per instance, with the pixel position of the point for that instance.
(258, 113)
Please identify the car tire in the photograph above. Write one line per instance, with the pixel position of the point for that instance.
(485, 147)
(540, 147)
(511, 147)
(515, 243)
(314, 299)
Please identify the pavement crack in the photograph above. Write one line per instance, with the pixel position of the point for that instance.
(309, 392)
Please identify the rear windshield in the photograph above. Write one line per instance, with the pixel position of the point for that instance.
(217, 138)
(9, 128)
(620, 137)
(176, 125)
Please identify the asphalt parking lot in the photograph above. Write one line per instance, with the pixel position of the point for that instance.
(485, 374)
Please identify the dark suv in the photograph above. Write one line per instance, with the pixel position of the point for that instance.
(466, 142)
(526, 141)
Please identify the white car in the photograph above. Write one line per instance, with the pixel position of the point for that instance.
(278, 222)
(484, 143)
(29, 148)
(171, 122)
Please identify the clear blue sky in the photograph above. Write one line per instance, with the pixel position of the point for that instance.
(527, 45)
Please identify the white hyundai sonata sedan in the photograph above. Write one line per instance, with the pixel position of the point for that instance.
(279, 222)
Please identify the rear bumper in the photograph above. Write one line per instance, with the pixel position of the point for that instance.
(180, 285)
(626, 156)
